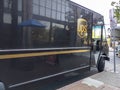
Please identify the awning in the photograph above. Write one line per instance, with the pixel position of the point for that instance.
(32, 23)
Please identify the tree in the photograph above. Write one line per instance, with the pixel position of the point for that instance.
(116, 6)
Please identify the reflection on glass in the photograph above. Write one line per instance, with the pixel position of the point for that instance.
(7, 4)
(48, 3)
(60, 36)
(7, 18)
(63, 17)
(48, 12)
(19, 5)
(54, 5)
(55, 26)
(67, 3)
(42, 2)
(36, 2)
(53, 14)
(59, 1)
(63, 2)
(63, 8)
(59, 7)
(58, 15)
(67, 9)
(42, 11)
(54, 0)
(36, 9)
(19, 19)
(40, 36)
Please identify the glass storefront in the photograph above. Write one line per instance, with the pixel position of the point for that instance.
(8, 4)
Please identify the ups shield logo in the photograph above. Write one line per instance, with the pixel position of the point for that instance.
(82, 28)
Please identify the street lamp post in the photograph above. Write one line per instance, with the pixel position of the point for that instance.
(114, 57)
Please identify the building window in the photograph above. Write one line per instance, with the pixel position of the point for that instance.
(63, 17)
(63, 8)
(53, 14)
(67, 9)
(63, 2)
(59, 1)
(36, 9)
(7, 4)
(36, 2)
(19, 5)
(19, 19)
(54, 5)
(58, 15)
(48, 12)
(42, 11)
(59, 6)
(67, 3)
(55, 9)
(48, 3)
(7, 18)
(42, 3)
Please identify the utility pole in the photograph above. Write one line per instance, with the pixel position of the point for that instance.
(113, 24)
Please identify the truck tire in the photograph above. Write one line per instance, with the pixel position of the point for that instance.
(101, 64)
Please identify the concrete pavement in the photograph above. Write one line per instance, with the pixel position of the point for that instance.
(109, 65)
(99, 81)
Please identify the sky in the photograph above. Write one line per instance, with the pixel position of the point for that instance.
(100, 6)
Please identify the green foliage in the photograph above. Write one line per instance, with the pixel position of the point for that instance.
(116, 6)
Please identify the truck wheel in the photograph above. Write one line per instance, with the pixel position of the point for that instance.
(101, 64)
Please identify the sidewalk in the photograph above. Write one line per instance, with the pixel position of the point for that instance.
(111, 49)
(100, 81)
(109, 65)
